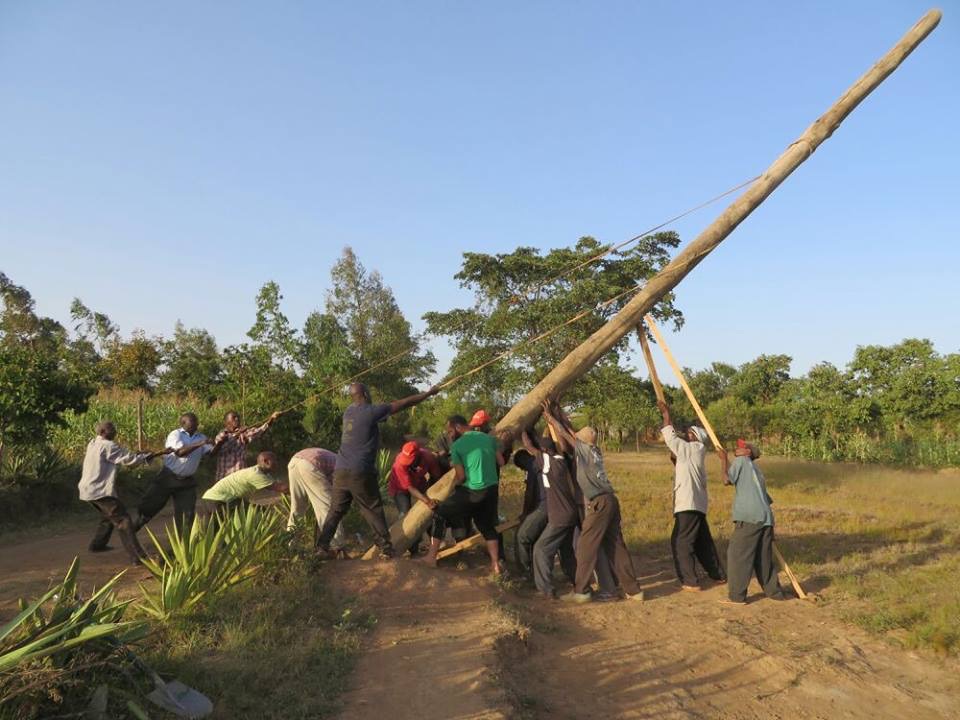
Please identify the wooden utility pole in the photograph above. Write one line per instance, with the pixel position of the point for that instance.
(586, 355)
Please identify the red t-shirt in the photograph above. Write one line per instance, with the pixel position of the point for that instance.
(402, 477)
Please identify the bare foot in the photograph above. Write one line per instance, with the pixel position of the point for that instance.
(429, 561)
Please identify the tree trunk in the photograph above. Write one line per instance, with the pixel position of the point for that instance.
(586, 355)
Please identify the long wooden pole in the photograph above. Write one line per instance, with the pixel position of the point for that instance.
(651, 368)
(586, 355)
(713, 436)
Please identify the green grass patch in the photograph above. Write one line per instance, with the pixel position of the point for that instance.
(280, 647)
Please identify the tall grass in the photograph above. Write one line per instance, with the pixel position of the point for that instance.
(160, 416)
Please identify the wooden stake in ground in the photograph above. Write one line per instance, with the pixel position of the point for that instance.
(713, 437)
(586, 355)
(140, 423)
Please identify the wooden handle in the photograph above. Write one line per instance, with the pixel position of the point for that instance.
(474, 540)
(651, 368)
(683, 383)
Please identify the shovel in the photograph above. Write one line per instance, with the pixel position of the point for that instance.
(175, 697)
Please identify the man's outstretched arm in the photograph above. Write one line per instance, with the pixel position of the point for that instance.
(398, 405)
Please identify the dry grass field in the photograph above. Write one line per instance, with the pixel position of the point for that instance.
(880, 546)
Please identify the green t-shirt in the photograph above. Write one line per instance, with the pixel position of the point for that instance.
(239, 484)
(477, 452)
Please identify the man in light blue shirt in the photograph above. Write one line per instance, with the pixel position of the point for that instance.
(750, 551)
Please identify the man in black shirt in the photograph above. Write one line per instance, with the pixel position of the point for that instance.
(563, 500)
(355, 472)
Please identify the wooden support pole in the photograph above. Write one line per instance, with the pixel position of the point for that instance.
(474, 541)
(586, 355)
(713, 437)
(651, 368)
(140, 422)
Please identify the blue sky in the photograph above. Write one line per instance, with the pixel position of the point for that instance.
(162, 160)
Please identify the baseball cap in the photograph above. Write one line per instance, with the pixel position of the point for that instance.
(479, 419)
(408, 453)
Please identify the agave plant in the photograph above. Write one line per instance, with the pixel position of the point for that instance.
(60, 621)
(208, 560)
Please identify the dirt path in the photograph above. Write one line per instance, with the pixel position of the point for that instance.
(29, 565)
(449, 644)
(432, 654)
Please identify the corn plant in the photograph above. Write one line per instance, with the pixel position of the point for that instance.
(60, 621)
(216, 554)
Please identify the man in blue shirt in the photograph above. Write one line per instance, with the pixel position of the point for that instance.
(355, 472)
(751, 546)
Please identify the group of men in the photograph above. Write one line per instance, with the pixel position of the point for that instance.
(570, 508)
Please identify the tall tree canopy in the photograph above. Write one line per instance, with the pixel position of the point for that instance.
(376, 328)
(521, 294)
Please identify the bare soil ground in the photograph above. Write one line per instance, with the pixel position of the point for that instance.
(449, 643)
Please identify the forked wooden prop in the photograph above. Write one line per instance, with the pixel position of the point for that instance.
(585, 356)
(713, 436)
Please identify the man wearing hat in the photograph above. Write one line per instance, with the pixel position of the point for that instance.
(750, 551)
(476, 459)
(691, 539)
(414, 470)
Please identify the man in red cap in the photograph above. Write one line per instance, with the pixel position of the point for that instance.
(476, 460)
(414, 470)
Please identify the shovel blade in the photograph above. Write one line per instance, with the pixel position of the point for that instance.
(182, 701)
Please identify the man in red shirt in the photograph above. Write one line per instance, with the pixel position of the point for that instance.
(414, 470)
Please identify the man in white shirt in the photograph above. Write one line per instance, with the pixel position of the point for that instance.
(176, 479)
(691, 539)
(98, 486)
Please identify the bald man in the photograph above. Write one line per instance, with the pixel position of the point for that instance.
(355, 472)
(229, 492)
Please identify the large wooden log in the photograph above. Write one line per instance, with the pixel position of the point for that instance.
(585, 356)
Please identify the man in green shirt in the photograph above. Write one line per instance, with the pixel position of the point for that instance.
(236, 487)
(476, 459)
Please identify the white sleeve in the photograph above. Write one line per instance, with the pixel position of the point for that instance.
(174, 441)
(673, 442)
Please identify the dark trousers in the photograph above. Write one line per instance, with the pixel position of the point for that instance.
(404, 502)
(601, 528)
(750, 552)
(162, 488)
(363, 488)
(480, 506)
(552, 540)
(527, 535)
(691, 541)
(115, 515)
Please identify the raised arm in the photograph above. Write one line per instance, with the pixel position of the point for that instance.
(665, 412)
(564, 433)
(528, 443)
(398, 405)
(724, 466)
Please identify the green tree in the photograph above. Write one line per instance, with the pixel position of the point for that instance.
(193, 365)
(759, 381)
(272, 330)
(133, 364)
(519, 295)
(37, 384)
(376, 328)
